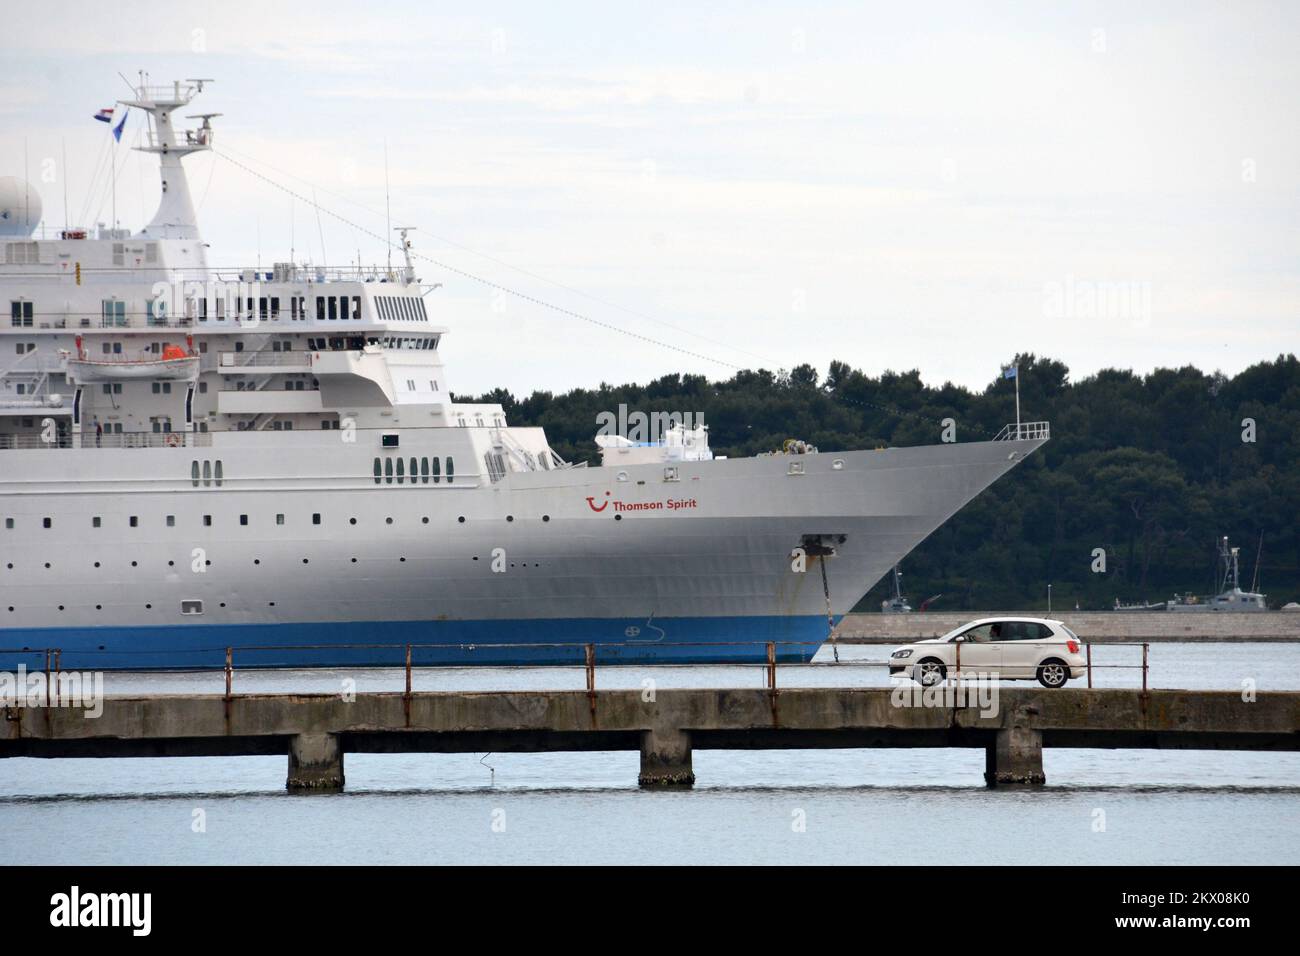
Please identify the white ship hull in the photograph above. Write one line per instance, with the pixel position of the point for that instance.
(663, 565)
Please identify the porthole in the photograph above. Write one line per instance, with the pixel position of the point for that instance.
(96, 564)
(618, 517)
(510, 517)
(403, 560)
(304, 560)
(148, 607)
(546, 517)
(388, 521)
(461, 519)
(424, 520)
(47, 564)
(134, 564)
(257, 560)
(352, 521)
(270, 604)
(60, 607)
(99, 607)
(354, 560)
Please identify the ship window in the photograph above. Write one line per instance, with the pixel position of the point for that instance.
(356, 307)
(107, 348)
(378, 467)
(243, 519)
(315, 518)
(216, 473)
(451, 470)
(424, 470)
(275, 306)
(399, 471)
(333, 308)
(49, 523)
(191, 607)
(171, 521)
(95, 522)
(20, 313)
(388, 470)
(207, 472)
(114, 312)
(437, 467)
(203, 388)
(134, 521)
(279, 519)
(207, 521)
(414, 470)
(320, 309)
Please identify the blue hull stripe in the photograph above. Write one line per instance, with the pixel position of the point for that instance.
(465, 643)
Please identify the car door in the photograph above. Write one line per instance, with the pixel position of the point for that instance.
(978, 652)
(1020, 648)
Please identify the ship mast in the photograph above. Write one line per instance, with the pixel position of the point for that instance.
(175, 217)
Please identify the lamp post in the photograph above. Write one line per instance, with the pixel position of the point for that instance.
(1049, 599)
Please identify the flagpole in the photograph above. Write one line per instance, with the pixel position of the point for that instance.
(112, 159)
(1017, 401)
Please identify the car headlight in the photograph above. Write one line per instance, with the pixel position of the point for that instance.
(906, 652)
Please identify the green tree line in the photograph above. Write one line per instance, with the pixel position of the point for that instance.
(1151, 468)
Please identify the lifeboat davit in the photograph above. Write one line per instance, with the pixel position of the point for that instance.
(174, 363)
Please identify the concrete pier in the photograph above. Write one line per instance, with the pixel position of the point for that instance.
(1095, 627)
(666, 759)
(315, 763)
(316, 730)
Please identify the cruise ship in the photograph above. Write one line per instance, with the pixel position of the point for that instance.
(268, 466)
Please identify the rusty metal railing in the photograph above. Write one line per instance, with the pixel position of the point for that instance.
(585, 655)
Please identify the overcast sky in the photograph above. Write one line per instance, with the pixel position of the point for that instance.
(935, 187)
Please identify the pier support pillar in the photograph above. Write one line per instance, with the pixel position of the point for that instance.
(1015, 758)
(315, 763)
(666, 759)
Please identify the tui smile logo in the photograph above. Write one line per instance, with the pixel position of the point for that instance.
(591, 503)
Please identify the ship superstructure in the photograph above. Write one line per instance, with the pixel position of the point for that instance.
(194, 459)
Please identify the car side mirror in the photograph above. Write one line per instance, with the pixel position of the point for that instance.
(959, 639)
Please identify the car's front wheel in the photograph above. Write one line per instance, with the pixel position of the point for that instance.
(1053, 673)
(930, 671)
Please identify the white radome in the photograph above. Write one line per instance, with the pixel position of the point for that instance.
(20, 207)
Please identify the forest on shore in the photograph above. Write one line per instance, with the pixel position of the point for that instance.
(1152, 468)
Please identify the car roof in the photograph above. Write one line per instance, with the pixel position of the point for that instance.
(995, 620)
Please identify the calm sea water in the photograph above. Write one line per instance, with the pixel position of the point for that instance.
(865, 806)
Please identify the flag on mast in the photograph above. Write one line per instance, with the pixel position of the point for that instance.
(105, 115)
(117, 130)
(1013, 371)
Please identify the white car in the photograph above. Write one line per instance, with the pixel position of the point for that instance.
(1012, 648)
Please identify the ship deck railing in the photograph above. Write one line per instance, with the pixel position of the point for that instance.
(1025, 431)
(110, 440)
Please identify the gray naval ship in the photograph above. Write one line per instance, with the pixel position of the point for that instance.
(1230, 597)
(194, 460)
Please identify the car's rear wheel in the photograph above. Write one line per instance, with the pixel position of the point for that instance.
(1053, 673)
(930, 671)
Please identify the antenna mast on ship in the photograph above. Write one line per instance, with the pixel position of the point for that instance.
(175, 217)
